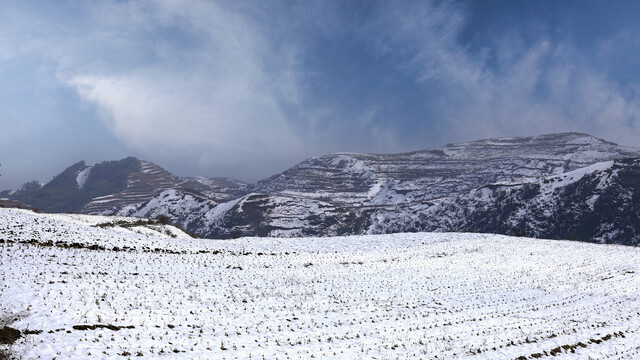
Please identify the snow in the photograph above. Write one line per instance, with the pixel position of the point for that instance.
(591, 201)
(585, 140)
(351, 163)
(82, 177)
(375, 189)
(450, 151)
(102, 199)
(421, 295)
(222, 208)
(382, 193)
(148, 167)
(159, 201)
(500, 142)
(587, 156)
(575, 175)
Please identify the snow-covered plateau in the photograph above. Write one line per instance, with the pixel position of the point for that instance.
(81, 287)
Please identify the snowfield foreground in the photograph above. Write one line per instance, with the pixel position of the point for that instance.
(77, 290)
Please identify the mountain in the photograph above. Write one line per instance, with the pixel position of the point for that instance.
(8, 203)
(220, 189)
(117, 184)
(141, 186)
(597, 203)
(568, 185)
(433, 190)
(73, 188)
(250, 215)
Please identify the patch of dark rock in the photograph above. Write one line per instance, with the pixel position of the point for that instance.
(101, 326)
(32, 332)
(9, 335)
(127, 224)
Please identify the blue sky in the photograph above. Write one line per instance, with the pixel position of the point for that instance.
(247, 89)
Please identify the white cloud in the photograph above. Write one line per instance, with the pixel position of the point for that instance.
(544, 88)
(220, 94)
(164, 113)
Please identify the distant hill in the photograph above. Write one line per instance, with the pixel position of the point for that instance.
(9, 203)
(110, 184)
(73, 188)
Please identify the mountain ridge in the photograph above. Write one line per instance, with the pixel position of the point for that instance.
(352, 193)
(340, 194)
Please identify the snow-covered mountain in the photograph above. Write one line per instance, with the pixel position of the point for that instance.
(74, 187)
(152, 180)
(597, 203)
(427, 175)
(115, 184)
(442, 189)
(220, 189)
(567, 185)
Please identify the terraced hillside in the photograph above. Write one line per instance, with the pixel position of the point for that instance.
(427, 175)
(597, 203)
(74, 187)
(430, 190)
(116, 184)
(141, 186)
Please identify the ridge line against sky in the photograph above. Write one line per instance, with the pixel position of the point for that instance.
(248, 89)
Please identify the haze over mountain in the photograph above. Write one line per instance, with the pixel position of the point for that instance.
(567, 185)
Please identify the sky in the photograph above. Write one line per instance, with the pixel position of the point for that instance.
(247, 89)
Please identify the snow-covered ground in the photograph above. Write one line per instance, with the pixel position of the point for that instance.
(403, 296)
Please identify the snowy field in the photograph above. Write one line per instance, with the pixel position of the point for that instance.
(81, 291)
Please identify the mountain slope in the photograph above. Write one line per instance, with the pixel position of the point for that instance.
(141, 187)
(73, 188)
(568, 185)
(599, 203)
(219, 189)
(153, 180)
(115, 184)
(415, 177)
(251, 215)
(429, 190)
